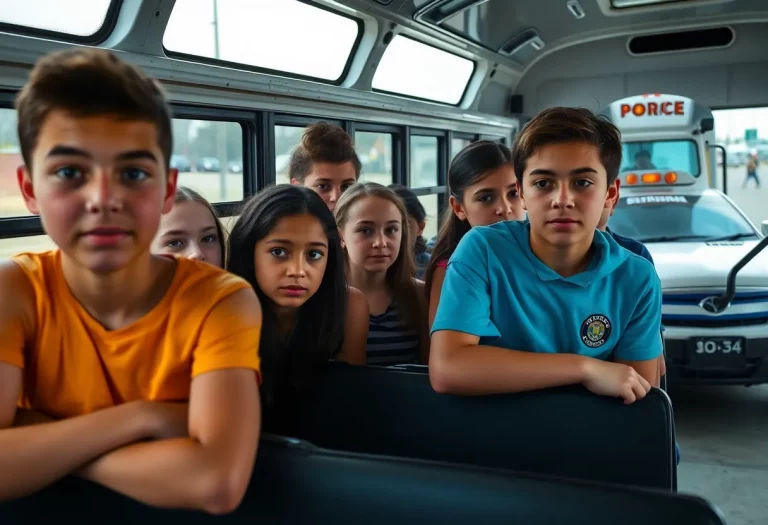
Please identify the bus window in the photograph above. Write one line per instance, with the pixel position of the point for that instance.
(286, 139)
(375, 153)
(424, 154)
(678, 155)
(253, 32)
(11, 203)
(457, 145)
(409, 67)
(54, 15)
(431, 205)
(37, 243)
(209, 157)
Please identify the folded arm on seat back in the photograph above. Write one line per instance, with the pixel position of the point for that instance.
(33, 456)
(210, 469)
(458, 364)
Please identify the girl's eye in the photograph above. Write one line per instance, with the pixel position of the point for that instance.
(175, 243)
(323, 187)
(364, 231)
(315, 255)
(513, 194)
(278, 252)
(392, 230)
(68, 173)
(135, 175)
(210, 238)
(485, 199)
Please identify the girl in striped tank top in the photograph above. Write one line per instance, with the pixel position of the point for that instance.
(374, 234)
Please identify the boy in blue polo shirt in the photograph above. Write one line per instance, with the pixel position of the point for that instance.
(551, 301)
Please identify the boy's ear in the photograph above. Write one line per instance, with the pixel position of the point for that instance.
(458, 209)
(24, 179)
(170, 189)
(422, 225)
(296, 182)
(612, 196)
(520, 193)
(616, 200)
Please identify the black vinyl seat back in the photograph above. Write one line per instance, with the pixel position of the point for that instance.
(567, 432)
(296, 483)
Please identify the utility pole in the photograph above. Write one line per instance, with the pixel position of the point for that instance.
(221, 127)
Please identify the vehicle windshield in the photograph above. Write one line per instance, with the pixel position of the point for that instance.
(680, 155)
(679, 218)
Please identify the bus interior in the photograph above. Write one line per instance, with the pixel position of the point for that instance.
(413, 82)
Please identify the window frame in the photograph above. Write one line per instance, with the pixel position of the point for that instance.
(29, 225)
(443, 159)
(397, 133)
(248, 124)
(432, 101)
(294, 121)
(276, 72)
(97, 38)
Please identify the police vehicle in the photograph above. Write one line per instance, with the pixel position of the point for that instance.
(670, 201)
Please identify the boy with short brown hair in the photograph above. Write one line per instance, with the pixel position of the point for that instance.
(551, 301)
(135, 371)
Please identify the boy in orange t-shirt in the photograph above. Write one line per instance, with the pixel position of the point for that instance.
(135, 371)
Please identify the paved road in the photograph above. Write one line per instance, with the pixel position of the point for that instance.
(753, 201)
(723, 435)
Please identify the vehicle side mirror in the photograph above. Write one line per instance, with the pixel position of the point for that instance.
(764, 228)
(707, 124)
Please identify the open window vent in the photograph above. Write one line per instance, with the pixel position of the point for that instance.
(529, 37)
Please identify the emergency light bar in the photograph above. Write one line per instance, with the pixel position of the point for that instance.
(646, 178)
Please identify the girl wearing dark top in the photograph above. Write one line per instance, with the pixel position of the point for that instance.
(417, 217)
(286, 245)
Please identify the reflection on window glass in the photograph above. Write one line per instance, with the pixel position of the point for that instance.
(458, 144)
(209, 157)
(56, 15)
(282, 35)
(11, 202)
(286, 139)
(431, 205)
(36, 243)
(424, 154)
(680, 155)
(375, 153)
(417, 70)
(678, 218)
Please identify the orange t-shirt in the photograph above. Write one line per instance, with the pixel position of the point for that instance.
(73, 365)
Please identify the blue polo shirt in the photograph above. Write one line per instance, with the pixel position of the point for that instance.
(497, 289)
(632, 245)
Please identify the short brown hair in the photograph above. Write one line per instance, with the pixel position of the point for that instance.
(557, 125)
(322, 142)
(89, 82)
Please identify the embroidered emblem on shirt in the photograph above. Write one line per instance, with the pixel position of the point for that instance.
(595, 330)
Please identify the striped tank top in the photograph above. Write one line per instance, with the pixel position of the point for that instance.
(389, 343)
